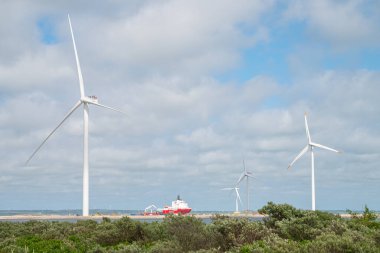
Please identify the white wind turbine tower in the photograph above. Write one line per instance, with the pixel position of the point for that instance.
(246, 174)
(310, 147)
(85, 101)
(237, 199)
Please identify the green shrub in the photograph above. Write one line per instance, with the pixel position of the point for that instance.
(307, 226)
(155, 231)
(299, 225)
(273, 243)
(227, 233)
(213, 250)
(376, 238)
(129, 230)
(107, 234)
(166, 247)
(128, 248)
(337, 227)
(36, 244)
(368, 218)
(349, 242)
(253, 231)
(278, 212)
(188, 231)
(81, 244)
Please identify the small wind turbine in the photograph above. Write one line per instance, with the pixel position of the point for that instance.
(310, 147)
(237, 197)
(85, 101)
(246, 174)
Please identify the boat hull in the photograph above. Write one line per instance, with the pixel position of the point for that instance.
(176, 211)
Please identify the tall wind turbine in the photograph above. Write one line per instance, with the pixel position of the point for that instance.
(310, 147)
(85, 101)
(237, 197)
(246, 174)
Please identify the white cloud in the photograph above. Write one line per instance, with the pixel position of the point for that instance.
(345, 24)
(174, 36)
(45, 70)
(204, 138)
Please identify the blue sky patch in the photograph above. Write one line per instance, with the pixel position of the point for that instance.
(47, 31)
(273, 102)
(270, 58)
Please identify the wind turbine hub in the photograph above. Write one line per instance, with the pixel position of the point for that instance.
(90, 99)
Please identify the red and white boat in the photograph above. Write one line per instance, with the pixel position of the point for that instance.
(178, 207)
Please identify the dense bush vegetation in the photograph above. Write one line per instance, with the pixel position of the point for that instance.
(285, 229)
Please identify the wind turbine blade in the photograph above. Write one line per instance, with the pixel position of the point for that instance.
(67, 115)
(225, 189)
(303, 151)
(240, 178)
(107, 107)
(245, 171)
(324, 147)
(238, 196)
(307, 129)
(81, 86)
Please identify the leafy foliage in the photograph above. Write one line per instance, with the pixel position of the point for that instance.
(368, 218)
(284, 229)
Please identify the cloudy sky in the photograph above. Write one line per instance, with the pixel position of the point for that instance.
(205, 85)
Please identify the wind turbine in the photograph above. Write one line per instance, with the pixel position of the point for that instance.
(85, 101)
(310, 147)
(237, 197)
(246, 174)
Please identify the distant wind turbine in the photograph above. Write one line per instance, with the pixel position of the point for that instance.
(237, 197)
(246, 174)
(310, 147)
(85, 101)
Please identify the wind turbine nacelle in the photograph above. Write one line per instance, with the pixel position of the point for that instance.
(90, 99)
